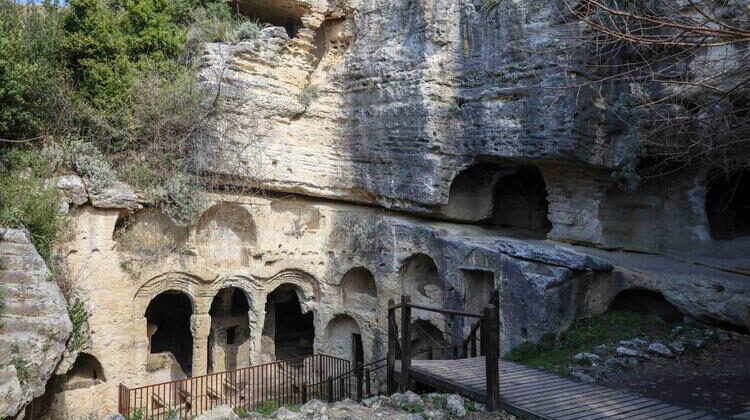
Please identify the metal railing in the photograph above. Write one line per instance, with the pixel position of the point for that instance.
(284, 382)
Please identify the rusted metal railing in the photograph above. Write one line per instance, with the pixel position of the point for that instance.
(284, 382)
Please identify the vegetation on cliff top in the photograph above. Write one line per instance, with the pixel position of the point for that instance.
(107, 89)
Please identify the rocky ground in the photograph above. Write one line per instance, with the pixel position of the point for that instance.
(696, 367)
(406, 406)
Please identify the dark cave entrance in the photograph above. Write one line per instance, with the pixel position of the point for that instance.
(293, 332)
(645, 302)
(728, 205)
(284, 13)
(520, 201)
(229, 339)
(170, 313)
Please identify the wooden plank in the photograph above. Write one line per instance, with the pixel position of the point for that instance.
(605, 411)
(575, 411)
(639, 413)
(599, 393)
(561, 405)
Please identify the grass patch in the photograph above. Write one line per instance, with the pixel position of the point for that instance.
(267, 408)
(586, 334)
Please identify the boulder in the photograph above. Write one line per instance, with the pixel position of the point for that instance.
(73, 189)
(314, 407)
(284, 413)
(582, 377)
(118, 195)
(113, 416)
(627, 352)
(34, 319)
(222, 412)
(660, 349)
(455, 405)
(586, 359)
(408, 400)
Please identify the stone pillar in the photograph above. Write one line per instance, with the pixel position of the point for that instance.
(141, 348)
(200, 327)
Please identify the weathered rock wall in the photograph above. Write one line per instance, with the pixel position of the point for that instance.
(34, 324)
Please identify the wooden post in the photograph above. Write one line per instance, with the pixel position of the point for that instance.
(492, 353)
(483, 336)
(304, 392)
(429, 352)
(391, 363)
(474, 345)
(358, 362)
(342, 387)
(330, 389)
(405, 342)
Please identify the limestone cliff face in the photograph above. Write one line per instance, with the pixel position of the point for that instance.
(34, 324)
(411, 93)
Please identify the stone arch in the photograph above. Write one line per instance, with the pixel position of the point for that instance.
(289, 324)
(224, 233)
(470, 195)
(229, 339)
(425, 335)
(728, 205)
(86, 372)
(148, 232)
(647, 302)
(168, 316)
(421, 280)
(520, 201)
(191, 285)
(359, 289)
(338, 336)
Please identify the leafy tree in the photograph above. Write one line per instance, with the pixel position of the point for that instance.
(30, 66)
(96, 50)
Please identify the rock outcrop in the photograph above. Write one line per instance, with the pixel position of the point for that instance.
(34, 324)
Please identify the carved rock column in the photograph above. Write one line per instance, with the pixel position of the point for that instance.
(200, 327)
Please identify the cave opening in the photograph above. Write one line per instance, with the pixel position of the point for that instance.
(292, 331)
(520, 201)
(283, 13)
(229, 339)
(168, 316)
(645, 302)
(728, 205)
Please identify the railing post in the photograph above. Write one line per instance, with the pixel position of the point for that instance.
(492, 353)
(391, 363)
(483, 336)
(329, 382)
(429, 353)
(367, 383)
(304, 392)
(342, 387)
(405, 341)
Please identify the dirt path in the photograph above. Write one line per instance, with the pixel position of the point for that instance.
(715, 379)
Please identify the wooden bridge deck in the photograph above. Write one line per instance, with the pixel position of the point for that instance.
(533, 393)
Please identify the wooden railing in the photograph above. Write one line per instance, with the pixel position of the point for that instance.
(487, 325)
(284, 382)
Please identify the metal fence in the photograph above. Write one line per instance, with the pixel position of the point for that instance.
(284, 382)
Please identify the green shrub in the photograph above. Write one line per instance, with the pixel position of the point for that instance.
(88, 161)
(27, 200)
(267, 408)
(247, 31)
(79, 316)
(181, 198)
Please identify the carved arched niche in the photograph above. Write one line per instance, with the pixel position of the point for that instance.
(421, 280)
(224, 234)
(339, 334)
(148, 232)
(359, 289)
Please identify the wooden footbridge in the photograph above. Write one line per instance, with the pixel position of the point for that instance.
(513, 387)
